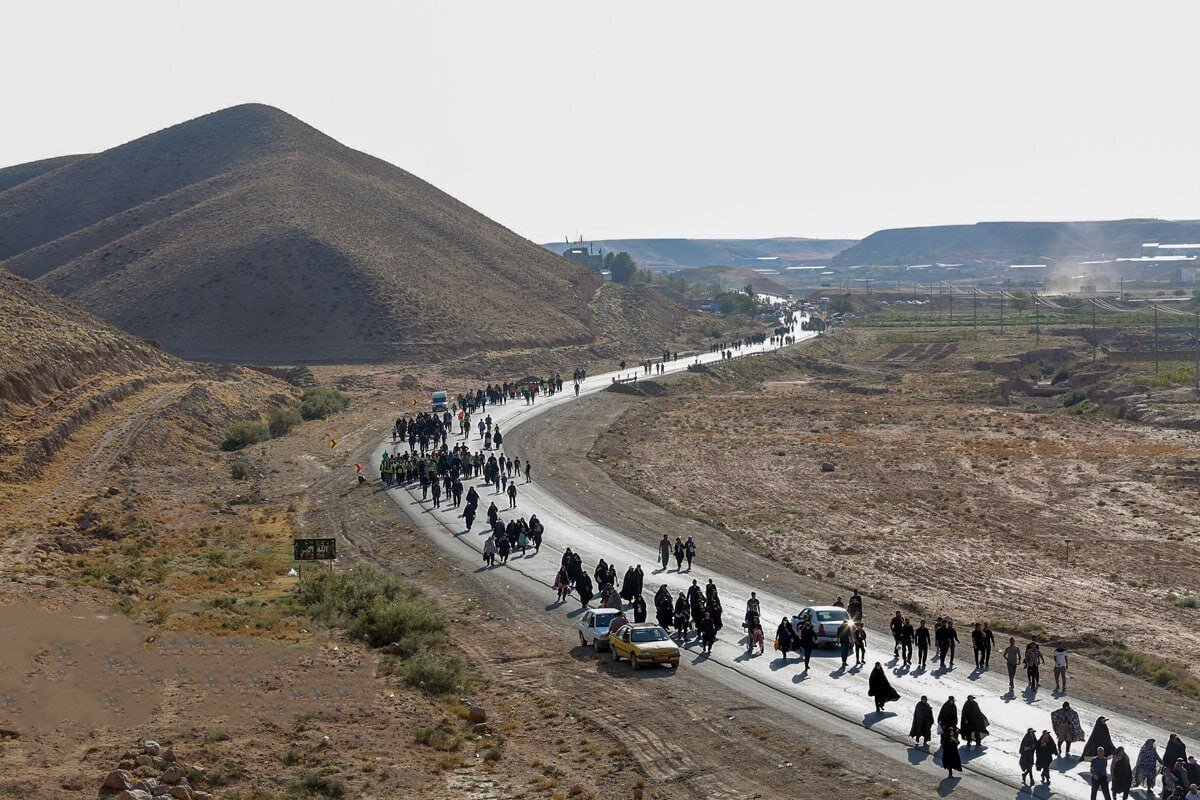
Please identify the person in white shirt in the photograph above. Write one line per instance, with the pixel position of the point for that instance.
(1060, 668)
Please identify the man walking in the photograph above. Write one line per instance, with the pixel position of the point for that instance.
(897, 624)
(664, 552)
(922, 637)
(1099, 774)
(1060, 669)
(1012, 659)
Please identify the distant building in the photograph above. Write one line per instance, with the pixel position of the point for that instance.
(582, 254)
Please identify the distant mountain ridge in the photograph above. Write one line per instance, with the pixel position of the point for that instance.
(670, 255)
(1006, 241)
(248, 236)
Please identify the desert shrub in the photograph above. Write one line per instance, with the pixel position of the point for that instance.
(244, 433)
(1160, 673)
(314, 785)
(376, 607)
(436, 673)
(320, 402)
(1061, 375)
(440, 737)
(239, 470)
(282, 420)
(1075, 397)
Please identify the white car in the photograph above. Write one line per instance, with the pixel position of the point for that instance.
(825, 621)
(593, 627)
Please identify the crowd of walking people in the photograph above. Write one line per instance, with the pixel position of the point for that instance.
(695, 617)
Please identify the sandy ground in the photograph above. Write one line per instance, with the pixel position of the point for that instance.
(946, 504)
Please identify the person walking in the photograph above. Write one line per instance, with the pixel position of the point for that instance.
(951, 642)
(989, 642)
(678, 551)
(844, 640)
(689, 551)
(708, 633)
(907, 633)
(528, 472)
(1033, 661)
(860, 645)
(880, 688)
(951, 758)
(922, 639)
(664, 552)
(1145, 769)
(808, 640)
(948, 714)
(921, 729)
(1012, 659)
(974, 724)
(855, 607)
(1060, 670)
(639, 608)
(896, 625)
(1065, 722)
(785, 637)
(1100, 738)
(1122, 774)
(1044, 755)
(512, 495)
(1025, 758)
(1099, 774)
(978, 637)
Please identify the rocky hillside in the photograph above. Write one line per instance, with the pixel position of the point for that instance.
(64, 370)
(669, 255)
(247, 236)
(1007, 241)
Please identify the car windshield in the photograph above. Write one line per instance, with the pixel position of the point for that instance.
(602, 621)
(642, 635)
(832, 616)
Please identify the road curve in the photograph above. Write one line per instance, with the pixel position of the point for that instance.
(829, 698)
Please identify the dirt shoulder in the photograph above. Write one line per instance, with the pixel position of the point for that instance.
(631, 450)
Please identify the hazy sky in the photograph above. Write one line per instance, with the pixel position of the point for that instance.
(698, 119)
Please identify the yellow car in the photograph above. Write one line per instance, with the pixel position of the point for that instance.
(643, 643)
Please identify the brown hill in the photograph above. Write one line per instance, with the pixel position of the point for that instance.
(19, 173)
(246, 235)
(66, 376)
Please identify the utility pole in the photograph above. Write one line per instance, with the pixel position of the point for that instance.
(931, 299)
(1001, 310)
(1122, 287)
(1155, 338)
(1037, 326)
(974, 306)
(950, 290)
(1093, 331)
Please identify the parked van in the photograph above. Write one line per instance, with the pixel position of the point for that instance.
(440, 401)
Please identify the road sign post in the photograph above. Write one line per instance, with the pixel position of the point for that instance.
(324, 549)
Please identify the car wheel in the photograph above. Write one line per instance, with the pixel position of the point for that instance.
(596, 644)
(633, 663)
(582, 641)
(674, 665)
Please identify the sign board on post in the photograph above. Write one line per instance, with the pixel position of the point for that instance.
(315, 549)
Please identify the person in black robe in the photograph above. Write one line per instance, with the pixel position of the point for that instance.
(627, 592)
(785, 637)
(1122, 774)
(639, 608)
(947, 715)
(584, 586)
(683, 618)
(922, 724)
(1099, 738)
(1026, 752)
(1044, 755)
(1174, 751)
(638, 578)
(880, 688)
(696, 600)
(663, 607)
(974, 724)
(951, 759)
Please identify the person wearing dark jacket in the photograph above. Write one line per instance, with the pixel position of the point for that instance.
(708, 633)
(948, 714)
(1099, 738)
(922, 724)
(808, 640)
(664, 552)
(921, 635)
(639, 608)
(1044, 755)
(1026, 750)
(880, 688)
(951, 758)
(1122, 774)
(584, 586)
(1174, 751)
(785, 637)
(974, 723)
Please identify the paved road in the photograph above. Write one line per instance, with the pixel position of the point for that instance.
(827, 697)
